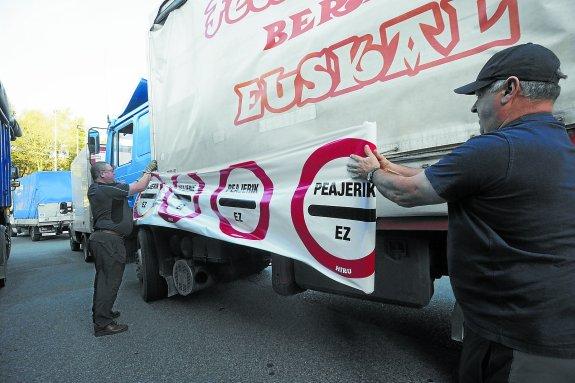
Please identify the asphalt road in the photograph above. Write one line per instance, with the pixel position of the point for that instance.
(236, 332)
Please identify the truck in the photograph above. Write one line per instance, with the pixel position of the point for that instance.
(255, 107)
(9, 131)
(43, 204)
(127, 147)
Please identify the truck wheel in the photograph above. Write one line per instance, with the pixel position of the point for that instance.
(152, 285)
(3, 256)
(88, 257)
(35, 233)
(74, 245)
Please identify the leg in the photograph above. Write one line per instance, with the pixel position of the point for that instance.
(115, 274)
(529, 368)
(473, 355)
(109, 272)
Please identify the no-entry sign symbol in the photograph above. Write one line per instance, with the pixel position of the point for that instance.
(182, 198)
(146, 199)
(341, 213)
(242, 201)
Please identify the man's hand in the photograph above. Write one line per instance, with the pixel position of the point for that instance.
(383, 162)
(358, 166)
(152, 167)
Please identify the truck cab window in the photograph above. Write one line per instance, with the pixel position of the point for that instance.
(123, 144)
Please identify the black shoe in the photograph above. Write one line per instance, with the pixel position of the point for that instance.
(115, 314)
(111, 329)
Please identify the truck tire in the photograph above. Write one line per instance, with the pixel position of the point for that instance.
(74, 245)
(3, 256)
(152, 285)
(35, 233)
(88, 257)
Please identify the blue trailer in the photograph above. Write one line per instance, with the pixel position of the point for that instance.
(43, 204)
(9, 130)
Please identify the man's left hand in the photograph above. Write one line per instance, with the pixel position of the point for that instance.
(358, 166)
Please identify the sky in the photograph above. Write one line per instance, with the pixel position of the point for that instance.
(83, 55)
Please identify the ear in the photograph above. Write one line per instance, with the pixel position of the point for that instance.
(511, 90)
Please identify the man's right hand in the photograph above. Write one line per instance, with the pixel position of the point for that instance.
(383, 162)
(152, 167)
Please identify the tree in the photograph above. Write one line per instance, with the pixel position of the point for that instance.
(46, 136)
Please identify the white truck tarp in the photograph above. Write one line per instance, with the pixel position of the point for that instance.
(271, 82)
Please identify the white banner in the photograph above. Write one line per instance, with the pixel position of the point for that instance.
(300, 203)
(232, 81)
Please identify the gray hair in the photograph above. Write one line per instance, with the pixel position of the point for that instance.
(97, 168)
(534, 90)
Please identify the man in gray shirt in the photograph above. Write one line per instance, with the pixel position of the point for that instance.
(112, 223)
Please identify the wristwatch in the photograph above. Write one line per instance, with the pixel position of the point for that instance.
(370, 175)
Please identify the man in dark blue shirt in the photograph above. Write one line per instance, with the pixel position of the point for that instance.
(511, 205)
(112, 221)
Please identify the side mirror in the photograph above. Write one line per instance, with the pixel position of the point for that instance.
(15, 131)
(93, 141)
(14, 184)
(65, 207)
(14, 172)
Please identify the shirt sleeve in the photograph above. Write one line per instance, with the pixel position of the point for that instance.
(472, 168)
(116, 191)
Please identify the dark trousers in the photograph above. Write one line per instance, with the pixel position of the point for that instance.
(483, 361)
(108, 251)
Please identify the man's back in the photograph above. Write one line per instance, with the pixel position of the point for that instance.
(110, 209)
(512, 234)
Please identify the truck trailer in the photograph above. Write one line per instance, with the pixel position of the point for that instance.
(43, 204)
(255, 107)
(9, 131)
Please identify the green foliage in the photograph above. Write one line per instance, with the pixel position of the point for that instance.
(42, 133)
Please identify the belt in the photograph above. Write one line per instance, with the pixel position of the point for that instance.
(110, 232)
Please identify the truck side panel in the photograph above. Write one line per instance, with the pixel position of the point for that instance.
(81, 180)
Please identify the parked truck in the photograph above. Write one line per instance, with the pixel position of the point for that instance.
(43, 204)
(9, 131)
(127, 147)
(255, 107)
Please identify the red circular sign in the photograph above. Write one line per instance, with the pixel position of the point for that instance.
(171, 217)
(360, 268)
(261, 229)
(136, 214)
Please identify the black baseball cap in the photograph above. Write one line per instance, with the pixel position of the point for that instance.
(527, 62)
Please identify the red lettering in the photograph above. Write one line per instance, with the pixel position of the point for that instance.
(236, 10)
(232, 11)
(420, 39)
(250, 106)
(359, 62)
(337, 8)
(316, 79)
(276, 34)
(301, 23)
(279, 90)
(213, 18)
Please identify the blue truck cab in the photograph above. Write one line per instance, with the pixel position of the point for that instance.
(127, 150)
(128, 144)
(9, 131)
